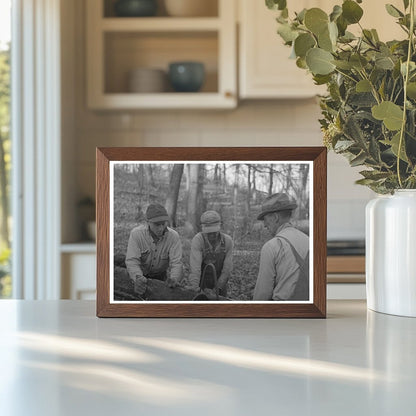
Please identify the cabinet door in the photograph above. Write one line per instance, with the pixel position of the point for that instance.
(266, 71)
(78, 276)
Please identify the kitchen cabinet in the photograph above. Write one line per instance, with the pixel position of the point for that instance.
(78, 263)
(118, 45)
(265, 69)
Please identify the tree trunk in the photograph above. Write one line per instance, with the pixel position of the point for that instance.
(172, 198)
(150, 175)
(288, 178)
(4, 196)
(192, 209)
(248, 198)
(200, 203)
(224, 177)
(304, 203)
(254, 189)
(270, 180)
(235, 198)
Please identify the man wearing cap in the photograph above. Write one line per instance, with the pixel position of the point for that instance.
(211, 247)
(281, 276)
(152, 249)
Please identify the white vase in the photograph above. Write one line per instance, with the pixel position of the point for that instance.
(391, 253)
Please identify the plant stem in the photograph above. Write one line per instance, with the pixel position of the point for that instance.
(405, 81)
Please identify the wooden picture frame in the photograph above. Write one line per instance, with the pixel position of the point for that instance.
(111, 161)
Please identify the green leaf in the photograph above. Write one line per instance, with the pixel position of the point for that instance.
(336, 12)
(411, 90)
(393, 11)
(316, 20)
(374, 174)
(342, 25)
(347, 37)
(303, 43)
(319, 61)
(351, 11)
(391, 114)
(358, 61)
(345, 65)
(365, 182)
(343, 145)
(353, 130)
(301, 15)
(368, 36)
(375, 35)
(325, 42)
(358, 160)
(394, 143)
(384, 62)
(321, 79)
(333, 32)
(287, 33)
(374, 150)
(276, 4)
(363, 86)
(412, 67)
(301, 63)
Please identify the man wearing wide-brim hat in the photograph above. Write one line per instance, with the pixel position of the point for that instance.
(284, 269)
(153, 248)
(211, 250)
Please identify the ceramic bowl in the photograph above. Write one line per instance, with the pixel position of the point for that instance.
(135, 8)
(186, 76)
(147, 80)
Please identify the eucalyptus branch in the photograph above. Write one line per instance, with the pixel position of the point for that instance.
(346, 75)
(373, 88)
(405, 81)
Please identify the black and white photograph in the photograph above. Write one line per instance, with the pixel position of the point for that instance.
(227, 231)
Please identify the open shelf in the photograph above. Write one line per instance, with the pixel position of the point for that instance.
(118, 45)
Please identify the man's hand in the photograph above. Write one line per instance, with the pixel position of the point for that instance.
(140, 285)
(171, 282)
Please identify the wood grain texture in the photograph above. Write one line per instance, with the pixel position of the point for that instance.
(317, 309)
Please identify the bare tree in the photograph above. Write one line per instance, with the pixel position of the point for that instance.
(235, 198)
(224, 176)
(271, 172)
(192, 209)
(173, 193)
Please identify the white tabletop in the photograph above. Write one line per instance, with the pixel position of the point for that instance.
(57, 358)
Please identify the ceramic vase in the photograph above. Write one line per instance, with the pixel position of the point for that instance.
(391, 253)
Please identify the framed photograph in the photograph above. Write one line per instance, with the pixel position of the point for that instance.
(211, 232)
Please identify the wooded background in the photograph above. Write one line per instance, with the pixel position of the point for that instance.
(5, 168)
(235, 190)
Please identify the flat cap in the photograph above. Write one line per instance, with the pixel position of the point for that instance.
(210, 222)
(156, 213)
(276, 202)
